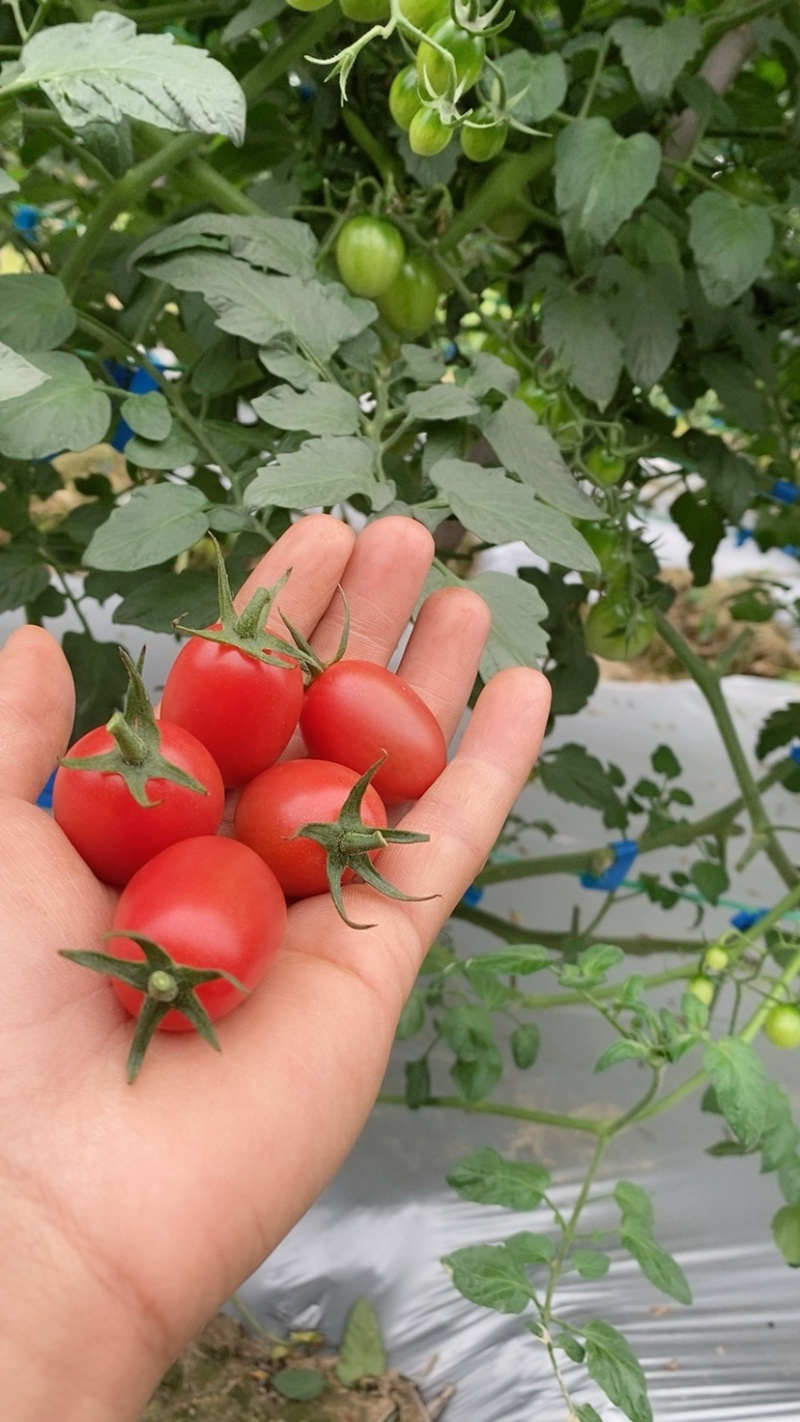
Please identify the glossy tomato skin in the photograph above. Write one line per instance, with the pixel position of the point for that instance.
(283, 799)
(468, 52)
(369, 254)
(782, 1026)
(111, 832)
(355, 712)
(242, 710)
(483, 141)
(404, 97)
(427, 135)
(409, 304)
(366, 12)
(209, 902)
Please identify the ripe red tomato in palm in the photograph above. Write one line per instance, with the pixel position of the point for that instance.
(356, 711)
(208, 902)
(288, 796)
(115, 835)
(242, 710)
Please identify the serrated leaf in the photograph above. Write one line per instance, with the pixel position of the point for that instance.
(656, 54)
(67, 411)
(780, 729)
(320, 316)
(535, 84)
(155, 603)
(516, 636)
(731, 244)
(489, 1275)
(646, 311)
(737, 1075)
(489, 372)
(656, 1264)
(148, 415)
(786, 1233)
(488, 1179)
(104, 69)
(23, 576)
(526, 448)
(441, 402)
(35, 312)
(601, 178)
(615, 1368)
(17, 375)
(322, 409)
(576, 326)
(362, 1353)
(99, 676)
(274, 244)
(155, 524)
(321, 472)
(665, 762)
(298, 1384)
(709, 879)
(578, 777)
(500, 510)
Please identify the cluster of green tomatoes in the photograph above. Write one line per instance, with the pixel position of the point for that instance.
(373, 261)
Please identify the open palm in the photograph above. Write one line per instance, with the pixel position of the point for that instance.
(131, 1213)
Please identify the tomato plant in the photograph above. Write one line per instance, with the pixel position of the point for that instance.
(427, 134)
(357, 711)
(425, 13)
(482, 137)
(467, 51)
(365, 12)
(782, 1026)
(409, 304)
(404, 96)
(370, 252)
(617, 631)
(604, 466)
(702, 988)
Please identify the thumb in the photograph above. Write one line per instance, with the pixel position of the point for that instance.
(37, 705)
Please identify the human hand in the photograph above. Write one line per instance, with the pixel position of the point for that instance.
(131, 1213)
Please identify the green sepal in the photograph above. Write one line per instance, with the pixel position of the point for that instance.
(137, 756)
(312, 664)
(347, 842)
(137, 974)
(246, 630)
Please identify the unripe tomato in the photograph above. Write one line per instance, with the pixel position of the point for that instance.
(404, 97)
(616, 631)
(547, 405)
(782, 1026)
(427, 134)
(605, 467)
(425, 13)
(605, 542)
(716, 959)
(307, 5)
(409, 304)
(482, 143)
(369, 254)
(468, 53)
(366, 12)
(702, 988)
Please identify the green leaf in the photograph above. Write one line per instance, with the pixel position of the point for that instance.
(418, 1083)
(298, 1384)
(488, 1179)
(601, 178)
(590, 1263)
(156, 523)
(67, 411)
(781, 1135)
(412, 1017)
(524, 1044)
(656, 54)
(779, 729)
(35, 312)
(489, 1275)
(521, 959)
(665, 762)
(287, 365)
(656, 1264)
(261, 307)
(731, 244)
(273, 244)
(516, 637)
(424, 365)
(441, 402)
(322, 409)
(7, 183)
(148, 415)
(174, 452)
(709, 879)
(362, 1354)
(646, 311)
(585, 1412)
(23, 576)
(103, 70)
(536, 84)
(530, 1248)
(786, 1233)
(17, 375)
(614, 1367)
(476, 1076)
(737, 1075)
(577, 327)
(500, 510)
(251, 17)
(322, 471)
(579, 778)
(100, 678)
(155, 603)
(526, 448)
(621, 1051)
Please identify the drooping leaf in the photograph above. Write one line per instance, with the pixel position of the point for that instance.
(322, 409)
(616, 1369)
(104, 69)
(35, 312)
(270, 244)
(731, 243)
(155, 524)
(526, 448)
(737, 1075)
(99, 676)
(645, 309)
(489, 1179)
(579, 778)
(67, 411)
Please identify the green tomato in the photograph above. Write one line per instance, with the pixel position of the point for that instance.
(547, 405)
(424, 14)
(366, 12)
(307, 5)
(404, 97)
(702, 988)
(493, 346)
(482, 143)
(468, 53)
(605, 467)
(604, 540)
(509, 223)
(782, 1026)
(716, 959)
(409, 304)
(369, 254)
(616, 631)
(427, 134)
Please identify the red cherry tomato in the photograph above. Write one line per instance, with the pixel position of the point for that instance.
(283, 799)
(242, 710)
(355, 712)
(209, 903)
(114, 834)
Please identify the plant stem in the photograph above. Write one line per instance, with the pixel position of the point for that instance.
(303, 37)
(501, 1108)
(390, 168)
(640, 946)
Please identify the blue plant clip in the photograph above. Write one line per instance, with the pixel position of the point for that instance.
(472, 896)
(794, 754)
(742, 536)
(136, 382)
(624, 851)
(746, 918)
(785, 492)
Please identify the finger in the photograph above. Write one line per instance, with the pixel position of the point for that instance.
(382, 583)
(316, 549)
(443, 653)
(37, 706)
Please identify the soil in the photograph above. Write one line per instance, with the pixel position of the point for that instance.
(229, 1375)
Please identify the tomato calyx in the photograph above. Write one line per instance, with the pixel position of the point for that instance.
(348, 843)
(166, 986)
(313, 665)
(137, 754)
(246, 630)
